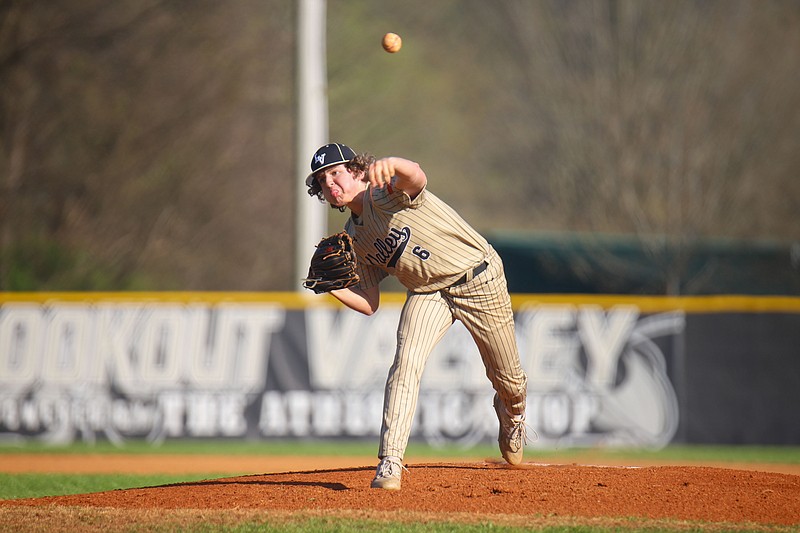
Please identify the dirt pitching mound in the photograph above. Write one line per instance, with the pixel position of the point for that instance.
(483, 490)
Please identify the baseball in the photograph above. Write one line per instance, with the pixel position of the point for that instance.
(392, 42)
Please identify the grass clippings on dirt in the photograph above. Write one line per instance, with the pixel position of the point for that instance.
(54, 519)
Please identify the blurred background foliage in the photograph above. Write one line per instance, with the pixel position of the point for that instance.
(149, 144)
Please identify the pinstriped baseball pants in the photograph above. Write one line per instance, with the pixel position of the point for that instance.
(483, 305)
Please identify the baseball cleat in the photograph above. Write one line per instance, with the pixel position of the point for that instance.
(388, 474)
(512, 433)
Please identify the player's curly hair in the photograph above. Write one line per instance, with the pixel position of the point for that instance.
(360, 163)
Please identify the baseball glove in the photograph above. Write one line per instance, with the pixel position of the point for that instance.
(333, 265)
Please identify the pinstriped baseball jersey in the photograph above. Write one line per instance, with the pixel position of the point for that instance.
(434, 253)
(423, 242)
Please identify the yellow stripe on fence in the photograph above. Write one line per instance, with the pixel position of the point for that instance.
(689, 304)
(295, 300)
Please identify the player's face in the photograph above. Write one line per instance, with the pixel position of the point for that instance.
(339, 185)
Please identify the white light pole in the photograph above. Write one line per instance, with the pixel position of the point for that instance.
(312, 126)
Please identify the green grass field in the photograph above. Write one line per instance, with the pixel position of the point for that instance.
(758, 454)
(29, 485)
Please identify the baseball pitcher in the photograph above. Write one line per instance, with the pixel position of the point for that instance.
(398, 227)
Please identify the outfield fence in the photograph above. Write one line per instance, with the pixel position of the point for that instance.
(603, 370)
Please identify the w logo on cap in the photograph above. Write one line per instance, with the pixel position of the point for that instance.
(334, 154)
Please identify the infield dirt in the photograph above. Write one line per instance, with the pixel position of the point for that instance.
(707, 497)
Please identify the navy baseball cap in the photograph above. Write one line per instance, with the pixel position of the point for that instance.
(330, 155)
